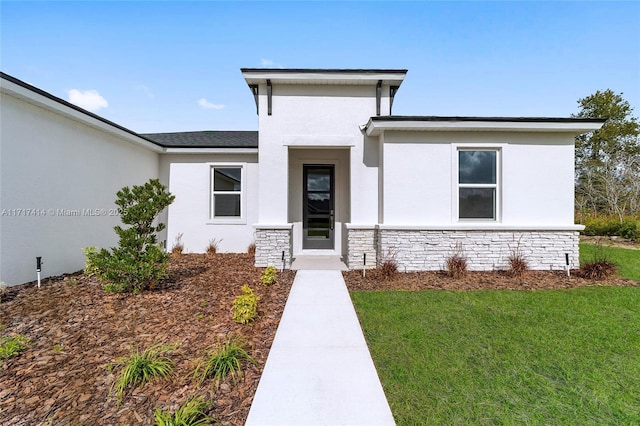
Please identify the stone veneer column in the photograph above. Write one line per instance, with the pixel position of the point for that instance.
(428, 249)
(361, 239)
(271, 241)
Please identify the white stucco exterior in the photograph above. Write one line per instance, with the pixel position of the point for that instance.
(394, 179)
(190, 213)
(59, 172)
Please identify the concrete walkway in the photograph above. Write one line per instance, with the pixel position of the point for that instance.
(319, 370)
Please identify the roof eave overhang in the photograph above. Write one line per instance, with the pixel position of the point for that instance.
(71, 112)
(255, 76)
(377, 127)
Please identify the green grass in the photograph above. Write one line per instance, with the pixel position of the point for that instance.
(225, 360)
(627, 260)
(507, 357)
(191, 413)
(140, 367)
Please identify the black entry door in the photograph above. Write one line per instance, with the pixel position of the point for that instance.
(318, 207)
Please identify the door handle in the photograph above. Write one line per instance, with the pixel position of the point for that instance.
(332, 219)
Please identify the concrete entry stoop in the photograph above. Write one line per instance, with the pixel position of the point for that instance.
(318, 263)
(319, 370)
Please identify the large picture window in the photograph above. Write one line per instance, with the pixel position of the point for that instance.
(226, 194)
(478, 184)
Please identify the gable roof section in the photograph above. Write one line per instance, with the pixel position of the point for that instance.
(46, 100)
(576, 126)
(206, 139)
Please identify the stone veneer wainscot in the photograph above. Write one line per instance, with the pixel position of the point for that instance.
(271, 241)
(427, 249)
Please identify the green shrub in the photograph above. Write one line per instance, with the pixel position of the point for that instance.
(138, 262)
(628, 228)
(225, 360)
(141, 367)
(12, 346)
(269, 275)
(245, 306)
(191, 413)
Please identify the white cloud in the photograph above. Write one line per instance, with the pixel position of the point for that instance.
(90, 100)
(206, 104)
(269, 63)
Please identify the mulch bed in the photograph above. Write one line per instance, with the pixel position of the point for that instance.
(76, 330)
(439, 280)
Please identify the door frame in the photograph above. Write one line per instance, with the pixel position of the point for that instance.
(310, 244)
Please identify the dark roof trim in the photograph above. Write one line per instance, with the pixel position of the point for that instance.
(428, 118)
(70, 105)
(324, 70)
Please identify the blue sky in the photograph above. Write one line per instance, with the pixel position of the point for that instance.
(175, 66)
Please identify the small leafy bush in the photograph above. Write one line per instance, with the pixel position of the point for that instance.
(245, 306)
(12, 346)
(178, 246)
(212, 247)
(269, 275)
(457, 262)
(252, 249)
(3, 287)
(191, 413)
(138, 262)
(225, 360)
(140, 367)
(628, 227)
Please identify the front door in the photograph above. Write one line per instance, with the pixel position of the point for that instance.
(318, 206)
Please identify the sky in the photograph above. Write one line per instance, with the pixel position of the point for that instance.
(175, 66)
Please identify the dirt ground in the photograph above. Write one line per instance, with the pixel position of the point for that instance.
(76, 330)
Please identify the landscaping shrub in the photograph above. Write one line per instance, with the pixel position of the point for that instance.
(225, 360)
(178, 247)
(191, 413)
(457, 262)
(138, 262)
(252, 249)
(518, 265)
(212, 247)
(269, 275)
(599, 266)
(141, 367)
(245, 306)
(12, 346)
(388, 266)
(628, 227)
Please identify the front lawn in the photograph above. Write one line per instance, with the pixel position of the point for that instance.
(507, 357)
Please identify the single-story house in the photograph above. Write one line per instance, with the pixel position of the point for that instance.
(330, 171)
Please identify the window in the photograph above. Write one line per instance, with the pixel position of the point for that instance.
(478, 184)
(226, 196)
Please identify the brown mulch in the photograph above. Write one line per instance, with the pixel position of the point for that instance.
(439, 280)
(76, 330)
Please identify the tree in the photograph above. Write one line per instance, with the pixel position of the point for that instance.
(608, 159)
(138, 261)
(619, 133)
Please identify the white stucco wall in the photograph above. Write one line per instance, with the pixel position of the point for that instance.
(420, 177)
(317, 116)
(61, 167)
(322, 118)
(189, 214)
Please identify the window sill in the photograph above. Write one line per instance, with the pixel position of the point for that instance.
(226, 222)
